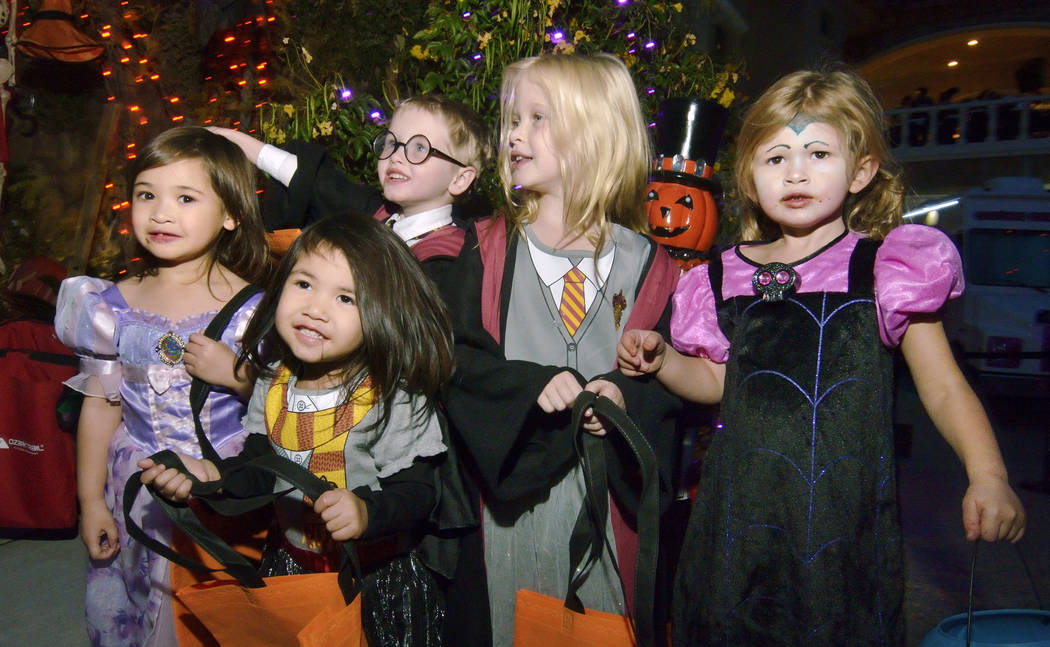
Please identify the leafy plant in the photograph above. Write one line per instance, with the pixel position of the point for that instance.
(459, 48)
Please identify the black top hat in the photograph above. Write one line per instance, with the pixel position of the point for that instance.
(688, 128)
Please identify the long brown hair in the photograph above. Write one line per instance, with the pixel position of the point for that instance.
(407, 341)
(845, 101)
(243, 250)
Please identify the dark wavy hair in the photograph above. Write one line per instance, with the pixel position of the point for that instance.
(407, 341)
(243, 251)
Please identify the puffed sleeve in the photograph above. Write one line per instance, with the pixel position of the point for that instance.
(917, 271)
(85, 323)
(694, 320)
(407, 437)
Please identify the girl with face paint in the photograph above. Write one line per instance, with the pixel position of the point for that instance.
(794, 538)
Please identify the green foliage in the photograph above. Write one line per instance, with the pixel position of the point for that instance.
(459, 48)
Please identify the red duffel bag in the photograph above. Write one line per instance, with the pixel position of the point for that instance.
(37, 468)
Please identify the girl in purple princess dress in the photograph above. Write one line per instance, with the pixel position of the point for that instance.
(794, 538)
(200, 238)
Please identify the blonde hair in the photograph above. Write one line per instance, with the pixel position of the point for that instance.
(467, 132)
(597, 130)
(845, 101)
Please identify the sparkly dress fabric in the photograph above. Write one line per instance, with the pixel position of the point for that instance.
(117, 344)
(794, 538)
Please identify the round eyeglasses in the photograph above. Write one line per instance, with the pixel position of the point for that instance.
(417, 148)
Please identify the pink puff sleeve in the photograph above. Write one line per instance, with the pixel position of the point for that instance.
(694, 320)
(917, 271)
(85, 323)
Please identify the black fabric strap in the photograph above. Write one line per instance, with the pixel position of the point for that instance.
(862, 267)
(588, 535)
(43, 356)
(199, 388)
(714, 273)
(211, 492)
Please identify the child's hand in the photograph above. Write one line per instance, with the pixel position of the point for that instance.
(98, 530)
(250, 145)
(560, 392)
(210, 360)
(173, 484)
(992, 511)
(640, 352)
(344, 513)
(591, 422)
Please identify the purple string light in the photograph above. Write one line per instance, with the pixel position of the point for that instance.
(650, 45)
(557, 37)
(346, 94)
(466, 14)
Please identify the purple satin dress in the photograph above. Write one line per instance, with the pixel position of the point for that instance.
(117, 344)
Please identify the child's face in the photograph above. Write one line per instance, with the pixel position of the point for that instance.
(802, 176)
(420, 187)
(533, 161)
(176, 213)
(318, 315)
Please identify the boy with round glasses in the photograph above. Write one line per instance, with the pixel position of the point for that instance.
(428, 159)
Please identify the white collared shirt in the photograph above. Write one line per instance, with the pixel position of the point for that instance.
(411, 228)
(552, 269)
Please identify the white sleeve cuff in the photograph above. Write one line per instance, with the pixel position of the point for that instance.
(278, 164)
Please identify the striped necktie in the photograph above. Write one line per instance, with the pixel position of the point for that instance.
(573, 307)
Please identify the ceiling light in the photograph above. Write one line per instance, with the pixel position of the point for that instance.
(953, 63)
(972, 42)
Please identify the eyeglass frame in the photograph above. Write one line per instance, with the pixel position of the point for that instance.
(379, 143)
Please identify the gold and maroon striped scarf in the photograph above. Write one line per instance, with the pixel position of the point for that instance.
(324, 432)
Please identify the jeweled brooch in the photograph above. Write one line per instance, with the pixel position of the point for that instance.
(774, 281)
(170, 348)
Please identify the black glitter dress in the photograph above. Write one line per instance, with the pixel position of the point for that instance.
(794, 538)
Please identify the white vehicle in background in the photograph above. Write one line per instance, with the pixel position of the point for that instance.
(1000, 327)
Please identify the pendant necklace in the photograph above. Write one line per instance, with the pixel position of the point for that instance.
(776, 280)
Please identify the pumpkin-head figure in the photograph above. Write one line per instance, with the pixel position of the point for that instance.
(681, 198)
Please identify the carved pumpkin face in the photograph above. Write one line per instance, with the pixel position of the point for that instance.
(681, 215)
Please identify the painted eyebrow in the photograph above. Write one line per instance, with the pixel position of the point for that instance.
(815, 142)
(770, 149)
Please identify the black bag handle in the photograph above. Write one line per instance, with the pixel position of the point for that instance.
(588, 535)
(199, 388)
(211, 492)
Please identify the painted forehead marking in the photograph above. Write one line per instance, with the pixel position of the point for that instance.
(799, 122)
